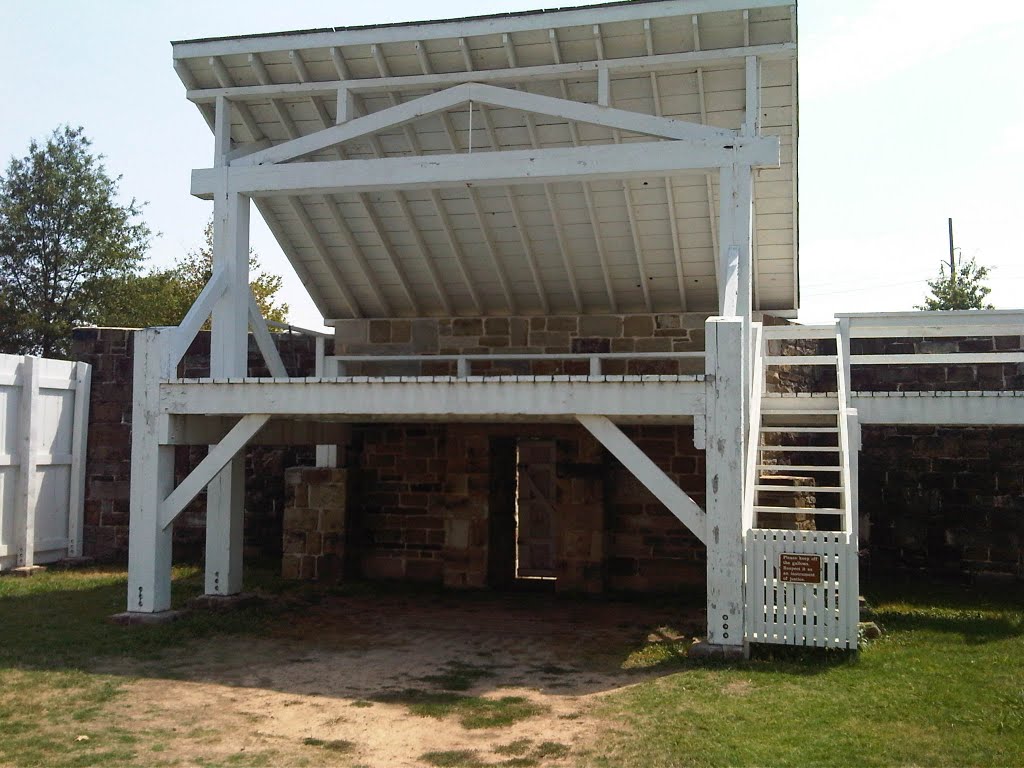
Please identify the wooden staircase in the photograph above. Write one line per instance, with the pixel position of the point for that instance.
(800, 520)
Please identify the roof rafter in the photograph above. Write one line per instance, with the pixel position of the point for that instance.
(666, 63)
(602, 256)
(670, 202)
(634, 230)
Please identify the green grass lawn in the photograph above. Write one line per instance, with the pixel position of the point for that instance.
(944, 687)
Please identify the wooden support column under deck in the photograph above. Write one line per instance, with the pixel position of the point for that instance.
(229, 349)
(725, 475)
(149, 543)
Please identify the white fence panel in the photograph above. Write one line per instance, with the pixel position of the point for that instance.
(802, 588)
(44, 416)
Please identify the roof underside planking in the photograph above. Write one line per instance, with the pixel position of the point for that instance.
(610, 245)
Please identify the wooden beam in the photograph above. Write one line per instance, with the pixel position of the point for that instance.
(197, 315)
(398, 398)
(215, 461)
(686, 510)
(264, 339)
(726, 430)
(149, 543)
(558, 164)
(424, 106)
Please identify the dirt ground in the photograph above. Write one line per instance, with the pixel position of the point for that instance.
(413, 680)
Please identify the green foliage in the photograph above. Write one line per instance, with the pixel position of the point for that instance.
(162, 297)
(64, 238)
(960, 288)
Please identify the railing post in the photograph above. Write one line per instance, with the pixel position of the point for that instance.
(843, 350)
(595, 366)
(725, 420)
(462, 368)
(149, 544)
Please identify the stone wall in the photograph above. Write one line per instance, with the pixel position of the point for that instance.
(947, 501)
(422, 498)
(915, 378)
(533, 335)
(108, 462)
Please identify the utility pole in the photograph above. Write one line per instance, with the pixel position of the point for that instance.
(952, 257)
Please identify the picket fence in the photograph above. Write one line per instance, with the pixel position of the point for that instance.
(44, 417)
(823, 614)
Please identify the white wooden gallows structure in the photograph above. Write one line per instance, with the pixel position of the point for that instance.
(625, 157)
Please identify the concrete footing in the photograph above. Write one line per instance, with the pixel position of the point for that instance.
(135, 618)
(27, 570)
(224, 603)
(705, 650)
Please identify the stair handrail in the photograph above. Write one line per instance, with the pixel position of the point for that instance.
(754, 423)
(845, 444)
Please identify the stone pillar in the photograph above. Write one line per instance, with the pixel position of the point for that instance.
(314, 523)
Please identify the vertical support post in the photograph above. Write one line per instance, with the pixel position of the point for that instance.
(79, 444)
(725, 423)
(604, 87)
(28, 448)
(326, 455)
(735, 242)
(229, 350)
(853, 492)
(149, 545)
(752, 107)
(843, 340)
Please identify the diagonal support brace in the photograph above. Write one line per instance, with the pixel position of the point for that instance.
(207, 469)
(647, 472)
(264, 340)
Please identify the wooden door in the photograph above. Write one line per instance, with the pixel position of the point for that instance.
(535, 509)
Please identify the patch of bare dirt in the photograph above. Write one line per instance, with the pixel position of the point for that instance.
(340, 683)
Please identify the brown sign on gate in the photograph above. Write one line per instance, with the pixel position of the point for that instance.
(801, 569)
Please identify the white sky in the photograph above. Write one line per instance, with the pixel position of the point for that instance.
(910, 112)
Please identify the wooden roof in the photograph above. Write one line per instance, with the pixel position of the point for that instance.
(646, 243)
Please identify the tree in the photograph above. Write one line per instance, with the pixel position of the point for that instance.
(64, 238)
(958, 286)
(162, 297)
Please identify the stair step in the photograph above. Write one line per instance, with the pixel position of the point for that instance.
(770, 411)
(801, 448)
(800, 360)
(801, 488)
(799, 467)
(802, 510)
(796, 428)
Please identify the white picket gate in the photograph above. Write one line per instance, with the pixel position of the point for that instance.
(802, 588)
(44, 417)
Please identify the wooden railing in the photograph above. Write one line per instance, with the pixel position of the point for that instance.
(338, 365)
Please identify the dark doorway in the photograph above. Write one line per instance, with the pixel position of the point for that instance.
(501, 546)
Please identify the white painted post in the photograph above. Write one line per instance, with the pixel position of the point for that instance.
(326, 455)
(725, 424)
(229, 349)
(79, 446)
(149, 545)
(28, 448)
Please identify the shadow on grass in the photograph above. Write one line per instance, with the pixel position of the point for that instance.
(977, 614)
